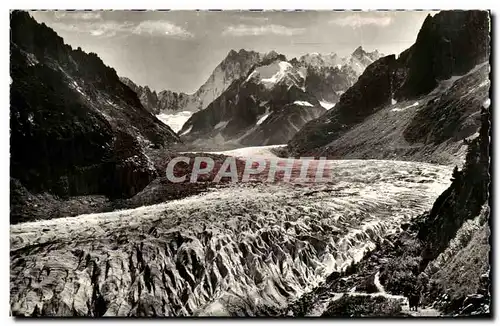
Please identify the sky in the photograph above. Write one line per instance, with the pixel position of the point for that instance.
(178, 50)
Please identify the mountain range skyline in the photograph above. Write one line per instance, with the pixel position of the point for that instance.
(178, 50)
(310, 187)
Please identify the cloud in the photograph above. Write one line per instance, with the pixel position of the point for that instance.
(244, 30)
(254, 18)
(161, 27)
(112, 28)
(77, 15)
(101, 28)
(358, 20)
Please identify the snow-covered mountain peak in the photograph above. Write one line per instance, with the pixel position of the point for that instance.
(272, 73)
(278, 72)
(269, 69)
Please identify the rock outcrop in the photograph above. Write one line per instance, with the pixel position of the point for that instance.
(448, 44)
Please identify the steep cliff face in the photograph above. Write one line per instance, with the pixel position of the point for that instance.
(86, 129)
(465, 197)
(449, 45)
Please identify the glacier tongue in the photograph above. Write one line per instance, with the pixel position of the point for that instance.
(230, 251)
(175, 120)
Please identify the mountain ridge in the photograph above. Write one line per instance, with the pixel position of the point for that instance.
(238, 63)
(270, 85)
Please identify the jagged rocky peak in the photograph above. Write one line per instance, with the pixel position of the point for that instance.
(233, 54)
(359, 52)
(454, 41)
(305, 87)
(319, 60)
(169, 101)
(235, 65)
(148, 90)
(240, 52)
(360, 59)
(238, 57)
(328, 76)
(163, 101)
(375, 54)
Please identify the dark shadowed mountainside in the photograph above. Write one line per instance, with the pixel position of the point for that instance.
(76, 129)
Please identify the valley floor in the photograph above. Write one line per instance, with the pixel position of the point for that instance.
(229, 251)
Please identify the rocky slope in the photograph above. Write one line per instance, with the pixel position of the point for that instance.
(416, 104)
(75, 128)
(444, 255)
(456, 232)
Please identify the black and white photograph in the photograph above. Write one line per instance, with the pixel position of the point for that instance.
(250, 163)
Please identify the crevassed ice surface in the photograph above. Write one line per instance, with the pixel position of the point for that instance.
(230, 251)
